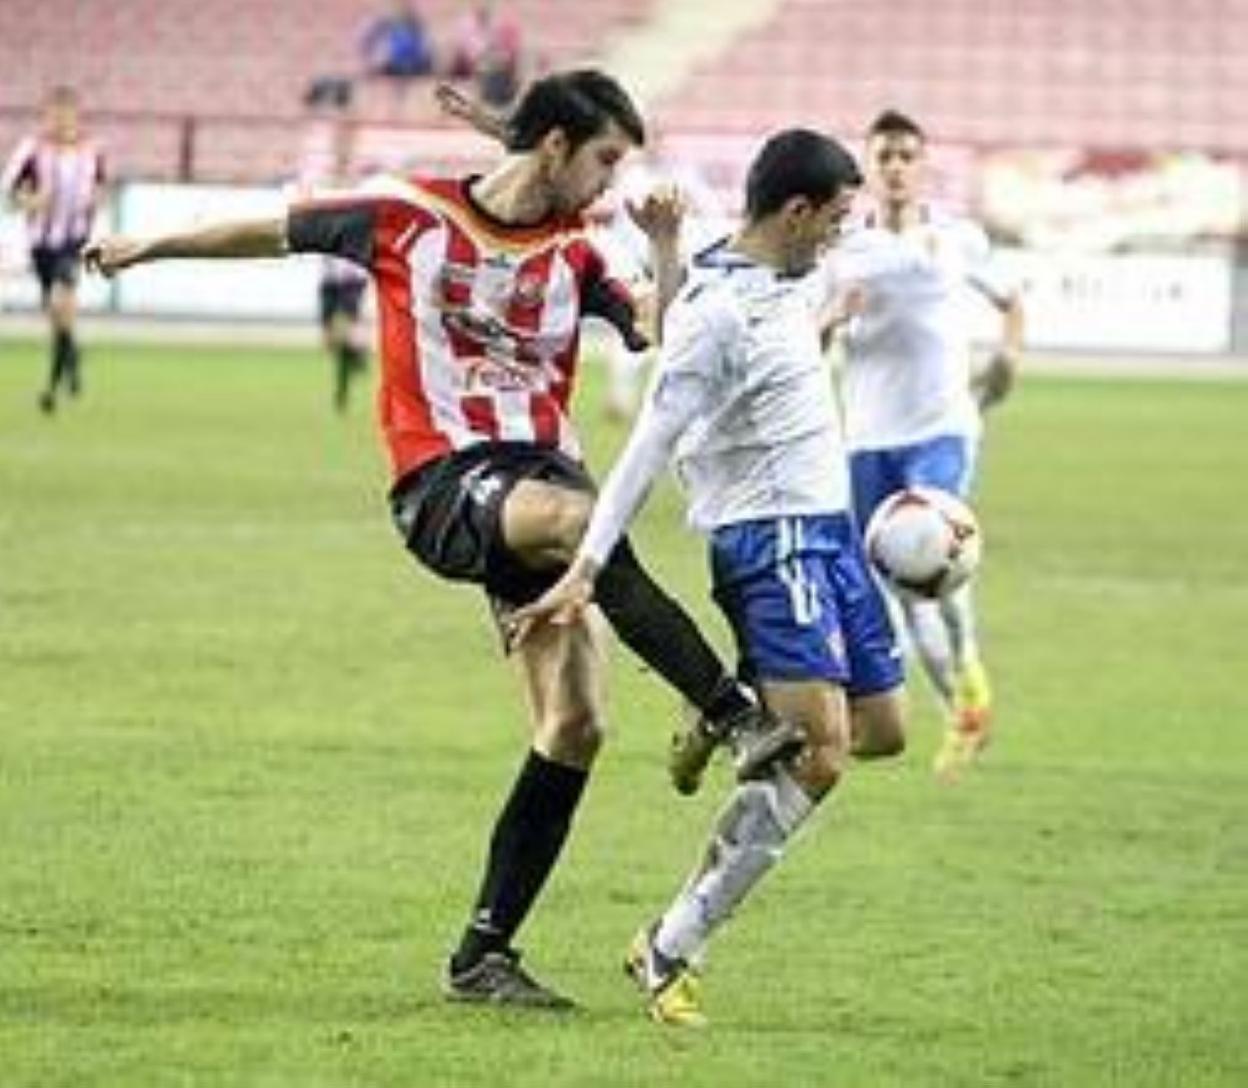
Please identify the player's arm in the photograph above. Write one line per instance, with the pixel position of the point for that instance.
(997, 379)
(681, 392)
(454, 103)
(18, 180)
(244, 238)
(659, 216)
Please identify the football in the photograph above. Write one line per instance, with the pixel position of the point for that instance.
(925, 543)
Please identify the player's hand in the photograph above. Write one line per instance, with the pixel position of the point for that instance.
(660, 214)
(454, 103)
(993, 384)
(850, 302)
(108, 256)
(563, 604)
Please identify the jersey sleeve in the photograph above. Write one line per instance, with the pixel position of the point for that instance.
(682, 390)
(343, 227)
(983, 272)
(605, 296)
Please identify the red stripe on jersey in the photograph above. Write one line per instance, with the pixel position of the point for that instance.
(403, 409)
(480, 415)
(524, 314)
(454, 292)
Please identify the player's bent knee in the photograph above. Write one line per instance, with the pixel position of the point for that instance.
(819, 768)
(573, 737)
(569, 516)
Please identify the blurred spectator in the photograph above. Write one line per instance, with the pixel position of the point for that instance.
(397, 44)
(488, 49)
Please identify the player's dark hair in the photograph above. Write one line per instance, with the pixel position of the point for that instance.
(895, 123)
(798, 162)
(582, 102)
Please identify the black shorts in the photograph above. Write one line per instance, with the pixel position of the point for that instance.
(56, 264)
(449, 513)
(341, 298)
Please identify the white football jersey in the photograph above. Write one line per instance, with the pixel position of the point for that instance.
(741, 400)
(908, 354)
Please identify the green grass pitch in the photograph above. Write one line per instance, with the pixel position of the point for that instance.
(249, 754)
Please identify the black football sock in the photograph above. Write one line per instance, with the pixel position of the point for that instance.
(659, 631)
(64, 361)
(528, 836)
(342, 375)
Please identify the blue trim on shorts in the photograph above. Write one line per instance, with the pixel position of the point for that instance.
(946, 462)
(803, 604)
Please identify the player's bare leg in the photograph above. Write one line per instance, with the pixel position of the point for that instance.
(543, 524)
(562, 669)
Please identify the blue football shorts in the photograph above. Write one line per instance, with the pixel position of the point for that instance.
(946, 462)
(803, 604)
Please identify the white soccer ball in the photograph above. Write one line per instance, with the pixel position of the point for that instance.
(924, 542)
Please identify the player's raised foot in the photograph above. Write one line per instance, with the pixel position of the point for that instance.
(761, 740)
(47, 402)
(971, 729)
(757, 737)
(972, 695)
(672, 989)
(498, 979)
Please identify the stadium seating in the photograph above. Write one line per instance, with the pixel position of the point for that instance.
(212, 88)
(1115, 72)
(221, 81)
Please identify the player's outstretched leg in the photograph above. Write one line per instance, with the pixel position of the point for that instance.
(758, 739)
(661, 633)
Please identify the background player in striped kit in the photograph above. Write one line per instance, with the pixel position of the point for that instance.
(56, 177)
(482, 282)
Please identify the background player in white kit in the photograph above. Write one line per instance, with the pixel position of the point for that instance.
(906, 280)
(627, 252)
(741, 400)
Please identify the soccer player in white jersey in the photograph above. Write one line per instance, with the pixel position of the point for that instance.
(742, 402)
(481, 285)
(907, 279)
(56, 177)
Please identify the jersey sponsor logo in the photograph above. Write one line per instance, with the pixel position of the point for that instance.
(530, 292)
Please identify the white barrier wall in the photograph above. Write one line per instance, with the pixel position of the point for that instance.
(1135, 303)
(1130, 302)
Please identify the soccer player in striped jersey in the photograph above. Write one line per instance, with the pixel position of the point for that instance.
(55, 177)
(742, 402)
(482, 282)
(907, 277)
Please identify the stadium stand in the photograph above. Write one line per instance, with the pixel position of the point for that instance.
(211, 89)
(1117, 72)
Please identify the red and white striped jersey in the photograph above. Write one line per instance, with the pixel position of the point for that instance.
(69, 176)
(478, 320)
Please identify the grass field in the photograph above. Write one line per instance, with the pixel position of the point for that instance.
(248, 754)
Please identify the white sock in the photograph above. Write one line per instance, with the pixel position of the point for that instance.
(958, 614)
(749, 837)
(925, 622)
